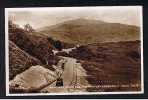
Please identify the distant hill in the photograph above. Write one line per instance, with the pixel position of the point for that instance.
(84, 31)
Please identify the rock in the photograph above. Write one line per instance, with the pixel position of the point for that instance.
(33, 78)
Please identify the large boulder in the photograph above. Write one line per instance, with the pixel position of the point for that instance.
(33, 79)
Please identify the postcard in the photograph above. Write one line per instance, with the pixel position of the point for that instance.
(74, 50)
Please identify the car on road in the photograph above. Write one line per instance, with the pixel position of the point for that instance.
(59, 82)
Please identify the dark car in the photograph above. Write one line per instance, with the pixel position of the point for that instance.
(63, 66)
(59, 82)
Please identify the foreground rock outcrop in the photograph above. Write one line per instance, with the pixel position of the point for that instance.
(32, 80)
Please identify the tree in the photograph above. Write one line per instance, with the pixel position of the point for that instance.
(28, 28)
(10, 23)
(58, 45)
(51, 40)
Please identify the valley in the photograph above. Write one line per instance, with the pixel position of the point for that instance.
(75, 56)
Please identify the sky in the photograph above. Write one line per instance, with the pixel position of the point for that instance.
(47, 16)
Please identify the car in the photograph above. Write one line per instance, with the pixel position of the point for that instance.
(59, 82)
(63, 65)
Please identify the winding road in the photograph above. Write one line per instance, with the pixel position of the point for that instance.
(73, 78)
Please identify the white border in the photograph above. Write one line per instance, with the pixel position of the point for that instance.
(75, 93)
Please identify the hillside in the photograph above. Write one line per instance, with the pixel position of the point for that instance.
(35, 44)
(84, 31)
(19, 60)
(113, 63)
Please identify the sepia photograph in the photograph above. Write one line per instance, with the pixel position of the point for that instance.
(74, 50)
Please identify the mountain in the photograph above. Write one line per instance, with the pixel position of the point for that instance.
(85, 31)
